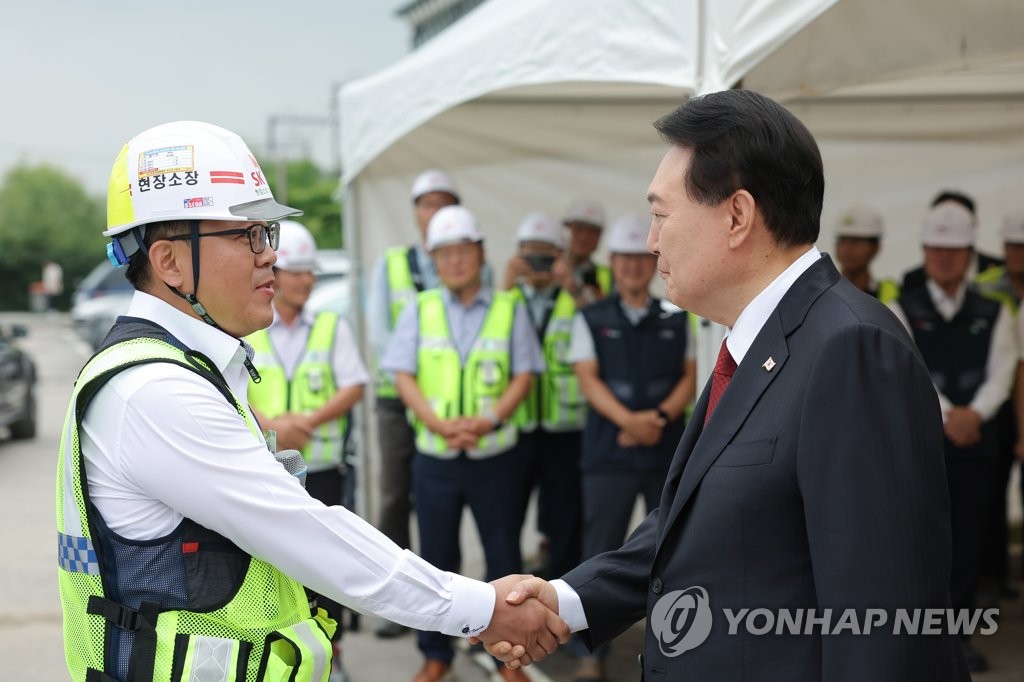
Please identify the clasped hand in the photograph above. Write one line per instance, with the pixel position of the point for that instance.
(525, 626)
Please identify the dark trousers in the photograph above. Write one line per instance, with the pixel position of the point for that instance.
(970, 481)
(995, 557)
(328, 486)
(491, 487)
(554, 469)
(608, 501)
(397, 444)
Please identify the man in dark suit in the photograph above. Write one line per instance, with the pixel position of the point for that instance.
(812, 477)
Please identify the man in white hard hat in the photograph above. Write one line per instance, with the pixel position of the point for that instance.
(311, 377)
(858, 242)
(969, 344)
(184, 543)
(397, 278)
(1005, 284)
(635, 363)
(982, 265)
(590, 281)
(463, 358)
(551, 417)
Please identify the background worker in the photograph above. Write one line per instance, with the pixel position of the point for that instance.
(589, 281)
(397, 278)
(968, 343)
(551, 417)
(858, 242)
(311, 377)
(635, 364)
(179, 532)
(464, 357)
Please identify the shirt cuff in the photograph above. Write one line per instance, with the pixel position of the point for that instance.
(984, 410)
(472, 607)
(570, 608)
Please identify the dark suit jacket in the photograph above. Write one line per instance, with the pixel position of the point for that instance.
(818, 484)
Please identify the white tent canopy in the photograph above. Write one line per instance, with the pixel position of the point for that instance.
(529, 103)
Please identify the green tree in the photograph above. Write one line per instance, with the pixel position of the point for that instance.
(314, 191)
(45, 214)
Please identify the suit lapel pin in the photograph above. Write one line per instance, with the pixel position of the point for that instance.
(769, 364)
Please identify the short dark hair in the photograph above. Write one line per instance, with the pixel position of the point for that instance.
(955, 196)
(138, 266)
(740, 139)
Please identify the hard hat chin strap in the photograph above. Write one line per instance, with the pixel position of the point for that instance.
(192, 300)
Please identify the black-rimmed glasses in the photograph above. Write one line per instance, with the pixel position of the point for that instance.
(259, 236)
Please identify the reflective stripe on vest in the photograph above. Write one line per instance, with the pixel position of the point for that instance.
(401, 292)
(604, 278)
(312, 385)
(453, 390)
(554, 398)
(176, 638)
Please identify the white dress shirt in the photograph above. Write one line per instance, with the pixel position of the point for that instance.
(738, 339)
(162, 444)
(1001, 366)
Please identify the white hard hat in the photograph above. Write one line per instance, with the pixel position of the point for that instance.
(1013, 228)
(860, 221)
(948, 225)
(584, 211)
(188, 171)
(540, 227)
(296, 248)
(452, 224)
(628, 234)
(433, 180)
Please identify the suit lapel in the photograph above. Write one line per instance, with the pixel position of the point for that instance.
(748, 383)
(699, 448)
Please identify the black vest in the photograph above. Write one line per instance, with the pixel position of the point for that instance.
(640, 365)
(955, 352)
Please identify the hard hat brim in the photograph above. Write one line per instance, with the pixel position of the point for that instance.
(264, 209)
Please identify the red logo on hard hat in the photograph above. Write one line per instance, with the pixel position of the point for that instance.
(227, 177)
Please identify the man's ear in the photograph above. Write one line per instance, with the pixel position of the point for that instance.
(165, 263)
(743, 217)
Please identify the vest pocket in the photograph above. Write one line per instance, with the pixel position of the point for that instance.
(209, 659)
(298, 652)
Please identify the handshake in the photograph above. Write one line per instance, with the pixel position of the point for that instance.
(525, 626)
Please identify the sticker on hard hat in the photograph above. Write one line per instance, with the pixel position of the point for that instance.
(177, 159)
(198, 202)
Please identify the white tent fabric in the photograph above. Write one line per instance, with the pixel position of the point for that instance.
(529, 103)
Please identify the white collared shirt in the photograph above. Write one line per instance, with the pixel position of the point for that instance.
(748, 325)
(161, 444)
(1001, 365)
(738, 339)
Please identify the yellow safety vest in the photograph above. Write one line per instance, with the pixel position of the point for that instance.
(401, 292)
(313, 384)
(554, 400)
(454, 390)
(207, 611)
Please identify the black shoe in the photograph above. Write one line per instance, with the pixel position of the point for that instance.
(976, 663)
(390, 630)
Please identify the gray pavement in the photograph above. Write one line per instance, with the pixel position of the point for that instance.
(30, 631)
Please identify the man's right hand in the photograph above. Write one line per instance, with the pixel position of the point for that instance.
(513, 591)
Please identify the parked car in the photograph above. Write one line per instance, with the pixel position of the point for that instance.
(98, 299)
(17, 386)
